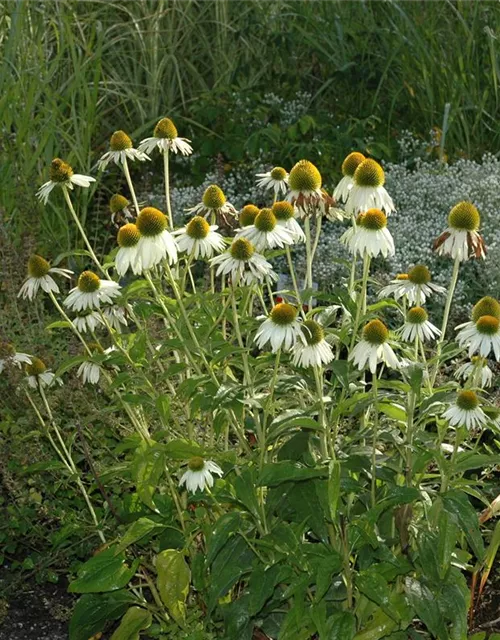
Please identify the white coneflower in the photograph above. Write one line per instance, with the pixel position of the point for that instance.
(62, 175)
(38, 276)
(38, 375)
(87, 321)
(120, 210)
(478, 366)
(115, 316)
(199, 474)
(305, 193)
(156, 243)
(243, 264)
(165, 138)
(121, 148)
(461, 240)
(275, 180)
(266, 233)
(349, 166)
(481, 336)
(465, 411)
(370, 235)
(367, 191)
(280, 329)
(315, 351)
(199, 239)
(128, 254)
(373, 348)
(215, 205)
(418, 325)
(8, 355)
(90, 292)
(416, 285)
(247, 215)
(285, 215)
(90, 371)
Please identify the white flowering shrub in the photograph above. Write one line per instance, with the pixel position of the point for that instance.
(286, 465)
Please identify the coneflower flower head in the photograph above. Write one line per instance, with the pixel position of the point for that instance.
(367, 191)
(349, 166)
(62, 174)
(247, 215)
(462, 239)
(487, 306)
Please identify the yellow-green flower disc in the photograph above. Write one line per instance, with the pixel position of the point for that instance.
(369, 174)
(304, 177)
(419, 274)
(488, 325)
(467, 400)
(151, 222)
(464, 217)
(94, 347)
(120, 141)
(165, 129)
(60, 171)
(373, 219)
(283, 210)
(128, 235)
(118, 203)
(247, 215)
(417, 315)
(88, 282)
(278, 173)
(265, 220)
(214, 197)
(197, 228)
(283, 313)
(196, 463)
(487, 306)
(351, 163)
(38, 266)
(402, 276)
(313, 332)
(242, 249)
(36, 368)
(375, 332)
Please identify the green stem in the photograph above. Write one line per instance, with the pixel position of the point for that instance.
(324, 439)
(374, 441)
(71, 463)
(166, 171)
(130, 185)
(361, 303)
(308, 278)
(82, 230)
(446, 315)
(294, 279)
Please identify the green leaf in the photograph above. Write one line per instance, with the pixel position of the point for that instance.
(261, 586)
(136, 531)
(374, 586)
(333, 488)
(458, 505)
(104, 572)
(93, 611)
(147, 468)
(341, 626)
(173, 582)
(393, 411)
(134, 621)
(448, 532)
(232, 561)
(58, 324)
(182, 449)
(426, 606)
(454, 604)
(467, 461)
(163, 407)
(244, 486)
(274, 474)
(224, 528)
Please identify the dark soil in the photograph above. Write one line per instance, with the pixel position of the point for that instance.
(35, 612)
